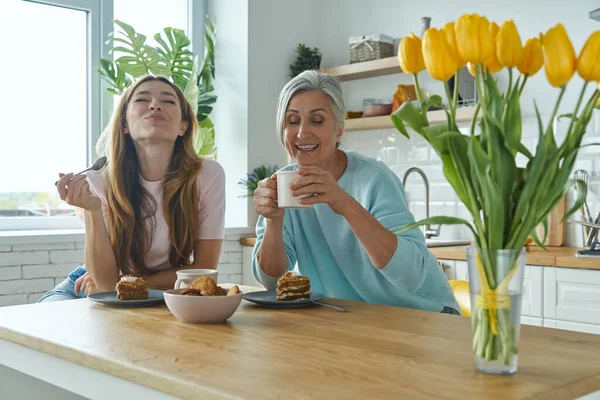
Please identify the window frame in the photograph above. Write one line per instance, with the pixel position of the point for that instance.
(99, 14)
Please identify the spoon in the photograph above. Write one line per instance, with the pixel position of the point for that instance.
(97, 165)
(328, 305)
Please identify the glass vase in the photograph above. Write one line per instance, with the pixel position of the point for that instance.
(496, 288)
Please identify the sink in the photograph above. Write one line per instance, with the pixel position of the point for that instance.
(446, 242)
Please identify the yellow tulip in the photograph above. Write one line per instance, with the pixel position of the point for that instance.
(588, 66)
(509, 48)
(473, 39)
(533, 57)
(491, 63)
(410, 55)
(448, 30)
(560, 62)
(439, 59)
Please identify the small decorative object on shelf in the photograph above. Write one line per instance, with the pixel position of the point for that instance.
(507, 200)
(307, 59)
(376, 107)
(258, 174)
(370, 47)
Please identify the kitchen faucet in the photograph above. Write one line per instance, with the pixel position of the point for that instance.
(429, 232)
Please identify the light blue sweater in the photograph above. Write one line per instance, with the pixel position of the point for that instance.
(321, 245)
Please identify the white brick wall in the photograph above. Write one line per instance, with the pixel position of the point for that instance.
(399, 153)
(28, 270)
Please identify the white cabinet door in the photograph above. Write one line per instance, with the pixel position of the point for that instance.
(247, 278)
(572, 295)
(532, 291)
(572, 326)
(532, 321)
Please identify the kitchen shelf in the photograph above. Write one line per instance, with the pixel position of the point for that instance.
(367, 69)
(463, 114)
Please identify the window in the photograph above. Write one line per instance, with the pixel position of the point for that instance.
(53, 103)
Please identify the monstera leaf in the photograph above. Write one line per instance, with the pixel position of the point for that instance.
(115, 77)
(205, 143)
(174, 51)
(139, 59)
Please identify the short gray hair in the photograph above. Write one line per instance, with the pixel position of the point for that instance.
(311, 81)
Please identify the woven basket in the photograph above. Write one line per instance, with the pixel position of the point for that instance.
(373, 47)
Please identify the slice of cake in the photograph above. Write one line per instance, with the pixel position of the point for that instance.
(132, 288)
(292, 286)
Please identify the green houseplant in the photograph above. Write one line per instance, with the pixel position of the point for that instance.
(173, 59)
(307, 59)
(258, 174)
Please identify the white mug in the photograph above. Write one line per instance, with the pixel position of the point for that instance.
(284, 193)
(185, 277)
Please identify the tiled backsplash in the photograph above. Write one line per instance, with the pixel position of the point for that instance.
(399, 153)
(28, 270)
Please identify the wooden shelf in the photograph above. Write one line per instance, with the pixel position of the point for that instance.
(367, 69)
(463, 114)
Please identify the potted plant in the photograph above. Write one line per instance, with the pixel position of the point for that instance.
(250, 183)
(172, 59)
(307, 59)
(506, 201)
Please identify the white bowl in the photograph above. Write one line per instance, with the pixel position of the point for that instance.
(201, 309)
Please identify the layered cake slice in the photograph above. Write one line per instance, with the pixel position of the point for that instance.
(132, 288)
(292, 286)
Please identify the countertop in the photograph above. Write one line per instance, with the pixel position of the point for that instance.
(556, 256)
(373, 351)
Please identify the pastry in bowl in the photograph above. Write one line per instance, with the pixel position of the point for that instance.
(203, 303)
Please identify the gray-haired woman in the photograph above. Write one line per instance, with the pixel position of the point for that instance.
(345, 243)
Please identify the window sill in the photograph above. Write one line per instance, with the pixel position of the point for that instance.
(69, 235)
(41, 236)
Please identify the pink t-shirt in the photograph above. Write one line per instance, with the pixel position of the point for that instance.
(211, 210)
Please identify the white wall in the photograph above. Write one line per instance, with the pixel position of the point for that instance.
(275, 29)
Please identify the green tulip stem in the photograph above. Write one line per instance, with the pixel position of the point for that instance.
(560, 96)
(418, 90)
(526, 76)
(452, 109)
(510, 82)
(455, 94)
(577, 107)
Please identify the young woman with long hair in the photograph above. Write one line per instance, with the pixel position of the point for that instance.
(156, 206)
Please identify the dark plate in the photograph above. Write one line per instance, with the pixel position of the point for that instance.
(268, 298)
(109, 299)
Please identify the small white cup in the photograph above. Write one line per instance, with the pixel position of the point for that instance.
(284, 193)
(185, 277)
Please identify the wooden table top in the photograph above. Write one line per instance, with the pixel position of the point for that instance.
(556, 256)
(371, 352)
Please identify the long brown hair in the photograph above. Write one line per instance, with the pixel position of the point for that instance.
(130, 204)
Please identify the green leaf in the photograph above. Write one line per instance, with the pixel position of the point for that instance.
(191, 91)
(433, 101)
(397, 121)
(207, 72)
(439, 220)
(579, 200)
(569, 115)
(179, 60)
(143, 59)
(512, 123)
(205, 143)
(411, 116)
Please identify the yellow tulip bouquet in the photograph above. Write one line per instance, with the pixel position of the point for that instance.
(506, 202)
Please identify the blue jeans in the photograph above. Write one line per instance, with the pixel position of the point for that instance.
(66, 289)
